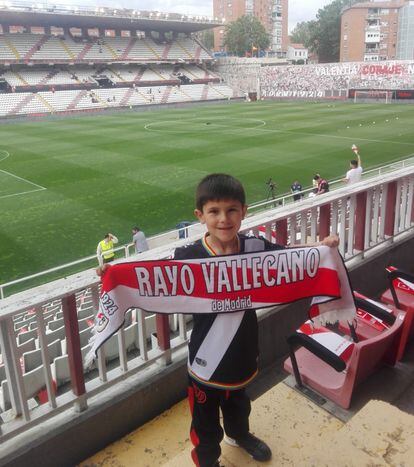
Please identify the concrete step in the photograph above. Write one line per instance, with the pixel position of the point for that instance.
(299, 432)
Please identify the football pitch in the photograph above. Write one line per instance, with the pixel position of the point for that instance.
(65, 182)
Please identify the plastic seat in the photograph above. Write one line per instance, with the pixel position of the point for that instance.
(334, 373)
(374, 317)
(33, 358)
(401, 295)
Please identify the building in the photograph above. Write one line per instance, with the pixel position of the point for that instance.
(273, 14)
(369, 31)
(297, 52)
(405, 42)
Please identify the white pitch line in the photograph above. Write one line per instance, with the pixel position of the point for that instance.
(149, 126)
(293, 132)
(23, 193)
(24, 180)
(6, 154)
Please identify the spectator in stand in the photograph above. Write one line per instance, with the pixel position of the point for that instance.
(296, 189)
(355, 172)
(139, 240)
(105, 250)
(314, 186)
(323, 185)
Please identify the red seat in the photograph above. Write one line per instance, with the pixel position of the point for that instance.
(373, 318)
(401, 296)
(333, 373)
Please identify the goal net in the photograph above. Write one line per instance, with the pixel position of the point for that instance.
(384, 97)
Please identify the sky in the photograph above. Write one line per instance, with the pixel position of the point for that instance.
(299, 10)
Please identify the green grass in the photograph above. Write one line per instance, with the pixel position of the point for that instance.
(108, 172)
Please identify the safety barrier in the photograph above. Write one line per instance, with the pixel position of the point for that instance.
(126, 251)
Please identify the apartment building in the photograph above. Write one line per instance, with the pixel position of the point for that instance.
(405, 42)
(369, 31)
(273, 14)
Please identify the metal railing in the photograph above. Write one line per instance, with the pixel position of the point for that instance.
(126, 251)
(43, 331)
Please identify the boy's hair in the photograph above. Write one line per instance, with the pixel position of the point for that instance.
(354, 163)
(219, 186)
(316, 177)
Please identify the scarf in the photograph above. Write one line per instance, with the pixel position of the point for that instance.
(225, 284)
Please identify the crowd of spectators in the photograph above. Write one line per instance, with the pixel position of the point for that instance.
(317, 79)
(329, 77)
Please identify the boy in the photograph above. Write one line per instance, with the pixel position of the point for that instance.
(232, 338)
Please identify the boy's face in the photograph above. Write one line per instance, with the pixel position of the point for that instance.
(222, 218)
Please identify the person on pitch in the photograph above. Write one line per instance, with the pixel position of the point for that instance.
(230, 339)
(354, 173)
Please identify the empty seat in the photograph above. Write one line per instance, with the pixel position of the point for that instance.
(33, 381)
(401, 295)
(25, 336)
(374, 317)
(55, 324)
(60, 367)
(335, 372)
(26, 346)
(33, 359)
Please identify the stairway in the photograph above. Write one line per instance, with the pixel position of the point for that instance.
(149, 46)
(21, 105)
(166, 95)
(76, 100)
(11, 46)
(126, 97)
(45, 102)
(166, 51)
(67, 49)
(35, 48)
(131, 43)
(84, 51)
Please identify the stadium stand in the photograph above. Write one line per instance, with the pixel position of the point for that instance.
(44, 73)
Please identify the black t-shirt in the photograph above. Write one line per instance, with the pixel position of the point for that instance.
(230, 340)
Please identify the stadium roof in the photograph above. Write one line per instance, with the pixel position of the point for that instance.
(25, 14)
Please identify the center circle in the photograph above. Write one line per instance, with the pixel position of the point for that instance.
(204, 124)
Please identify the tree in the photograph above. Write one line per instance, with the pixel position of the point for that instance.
(302, 33)
(323, 35)
(246, 35)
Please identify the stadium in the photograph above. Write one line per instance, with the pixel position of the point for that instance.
(108, 119)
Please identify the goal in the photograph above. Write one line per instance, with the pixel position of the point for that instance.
(385, 97)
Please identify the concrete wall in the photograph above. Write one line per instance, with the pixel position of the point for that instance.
(70, 438)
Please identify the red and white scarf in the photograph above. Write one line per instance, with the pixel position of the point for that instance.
(225, 284)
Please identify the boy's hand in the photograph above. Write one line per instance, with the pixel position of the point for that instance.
(332, 241)
(100, 271)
